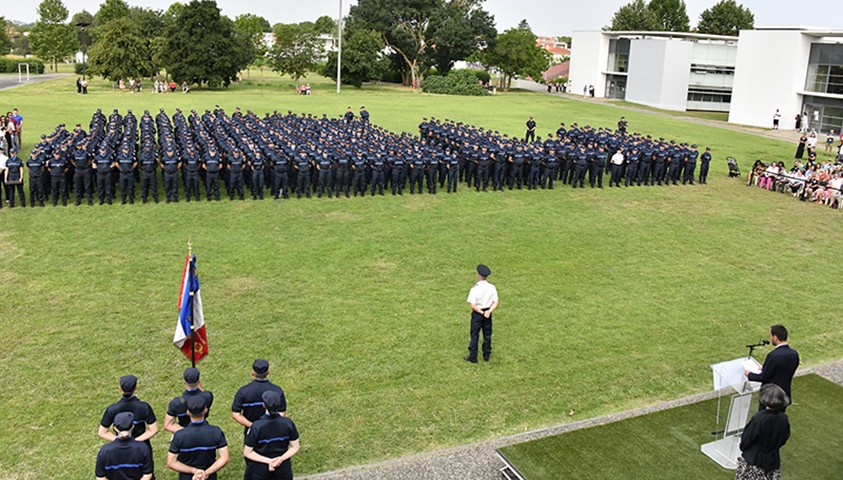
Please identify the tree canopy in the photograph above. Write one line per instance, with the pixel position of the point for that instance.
(361, 58)
(253, 27)
(635, 16)
(296, 50)
(456, 31)
(515, 53)
(671, 15)
(52, 38)
(726, 18)
(5, 42)
(202, 46)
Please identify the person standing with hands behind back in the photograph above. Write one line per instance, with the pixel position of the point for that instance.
(483, 300)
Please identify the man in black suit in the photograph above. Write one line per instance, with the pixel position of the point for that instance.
(780, 364)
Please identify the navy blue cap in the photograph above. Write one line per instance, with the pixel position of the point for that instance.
(191, 376)
(483, 270)
(124, 421)
(128, 383)
(196, 404)
(271, 400)
(260, 366)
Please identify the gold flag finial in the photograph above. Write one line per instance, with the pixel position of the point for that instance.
(189, 247)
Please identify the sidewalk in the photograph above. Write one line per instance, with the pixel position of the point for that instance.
(478, 461)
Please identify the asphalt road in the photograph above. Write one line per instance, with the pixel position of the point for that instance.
(10, 80)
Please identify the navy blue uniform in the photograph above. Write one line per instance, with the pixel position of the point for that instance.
(705, 159)
(82, 176)
(141, 410)
(124, 459)
(196, 445)
(178, 406)
(248, 402)
(14, 172)
(58, 185)
(270, 436)
(36, 171)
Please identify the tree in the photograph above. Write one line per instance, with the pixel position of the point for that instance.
(671, 15)
(726, 18)
(83, 35)
(402, 25)
(53, 39)
(362, 60)
(516, 53)
(635, 16)
(325, 25)
(252, 27)
(5, 42)
(110, 10)
(457, 31)
(119, 51)
(201, 45)
(296, 51)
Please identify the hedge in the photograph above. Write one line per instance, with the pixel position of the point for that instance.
(457, 82)
(10, 65)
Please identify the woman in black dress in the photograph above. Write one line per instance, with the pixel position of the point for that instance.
(800, 149)
(763, 437)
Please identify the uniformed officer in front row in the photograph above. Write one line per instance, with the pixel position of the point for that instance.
(248, 402)
(193, 451)
(483, 300)
(271, 442)
(124, 458)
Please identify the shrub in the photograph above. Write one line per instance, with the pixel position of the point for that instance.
(458, 82)
(10, 65)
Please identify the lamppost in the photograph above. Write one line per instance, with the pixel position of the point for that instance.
(339, 48)
(83, 42)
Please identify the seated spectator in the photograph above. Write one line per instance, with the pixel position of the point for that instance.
(173, 87)
(185, 88)
(755, 172)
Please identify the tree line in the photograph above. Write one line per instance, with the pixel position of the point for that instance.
(724, 18)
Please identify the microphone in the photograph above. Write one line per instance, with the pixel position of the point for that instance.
(765, 342)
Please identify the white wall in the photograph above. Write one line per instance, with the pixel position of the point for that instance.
(658, 73)
(589, 56)
(771, 68)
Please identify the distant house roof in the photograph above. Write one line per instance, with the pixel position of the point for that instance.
(558, 51)
(556, 71)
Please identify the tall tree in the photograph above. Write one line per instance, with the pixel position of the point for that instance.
(325, 25)
(296, 51)
(252, 27)
(112, 9)
(458, 30)
(726, 18)
(516, 53)
(671, 15)
(635, 16)
(52, 38)
(5, 42)
(403, 25)
(362, 58)
(202, 46)
(119, 51)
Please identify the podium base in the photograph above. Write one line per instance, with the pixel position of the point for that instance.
(724, 451)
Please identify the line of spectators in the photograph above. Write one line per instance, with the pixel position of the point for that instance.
(820, 183)
(10, 131)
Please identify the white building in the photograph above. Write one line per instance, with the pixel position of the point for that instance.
(667, 70)
(796, 70)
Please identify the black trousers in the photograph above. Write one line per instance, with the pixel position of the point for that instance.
(281, 184)
(36, 192)
(616, 175)
(59, 189)
(127, 187)
(689, 173)
(343, 181)
(105, 187)
(398, 180)
(171, 186)
(191, 185)
(478, 322)
(704, 172)
(453, 177)
(82, 182)
(212, 186)
(378, 182)
(257, 184)
(360, 183)
(302, 184)
(149, 183)
(10, 190)
(416, 178)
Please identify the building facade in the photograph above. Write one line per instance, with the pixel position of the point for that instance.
(797, 71)
(671, 71)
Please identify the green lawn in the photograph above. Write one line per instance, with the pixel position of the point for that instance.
(666, 444)
(611, 299)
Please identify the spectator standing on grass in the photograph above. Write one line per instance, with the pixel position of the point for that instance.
(762, 438)
(776, 119)
(84, 87)
(79, 85)
(829, 141)
(800, 147)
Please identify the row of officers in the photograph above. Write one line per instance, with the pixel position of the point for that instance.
(427, 169)
(199, 449)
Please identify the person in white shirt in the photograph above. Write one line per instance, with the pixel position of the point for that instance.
(483, 300)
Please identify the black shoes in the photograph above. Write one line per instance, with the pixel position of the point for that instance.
(486, 357)
(469, 359)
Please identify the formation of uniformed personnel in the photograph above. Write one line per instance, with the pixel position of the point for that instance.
(124, 458)
(332, 155)
(248, 406)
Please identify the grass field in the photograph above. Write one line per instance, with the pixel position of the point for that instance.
(611, 299)
(666, 444)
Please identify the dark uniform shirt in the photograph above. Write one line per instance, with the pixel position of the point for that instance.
(14, 168)
(124, 459)
(271, 435)
(248, 400)
(142, 411)
(196, 445)
(178, 406)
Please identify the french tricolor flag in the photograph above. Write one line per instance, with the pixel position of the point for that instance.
(194, 346)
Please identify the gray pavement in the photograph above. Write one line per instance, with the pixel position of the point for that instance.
(11, 80)
(478, 461)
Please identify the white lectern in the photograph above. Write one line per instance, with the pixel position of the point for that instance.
(730, 375)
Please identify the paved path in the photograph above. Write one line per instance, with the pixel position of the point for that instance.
(791, 136)
(478, 461)
(11, 80)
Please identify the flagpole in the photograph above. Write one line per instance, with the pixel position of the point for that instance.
(190, 287)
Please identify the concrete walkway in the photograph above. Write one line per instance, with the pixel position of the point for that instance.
(791, 136)
(478, 461)
(10, 80)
